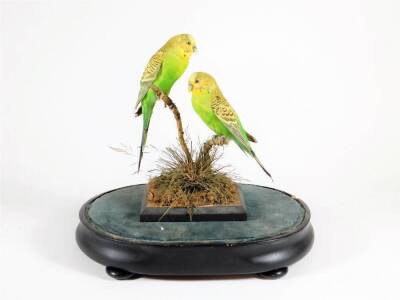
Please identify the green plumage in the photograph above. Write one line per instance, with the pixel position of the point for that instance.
(202, 106)
(216, 112)
(163, 69)
(172, 68)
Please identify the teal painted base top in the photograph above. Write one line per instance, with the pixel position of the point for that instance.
(271, 213)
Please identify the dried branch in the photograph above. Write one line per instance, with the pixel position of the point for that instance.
(171, 105)
(216, 140)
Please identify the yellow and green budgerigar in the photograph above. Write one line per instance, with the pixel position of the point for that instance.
(163, 69)
(212, 107)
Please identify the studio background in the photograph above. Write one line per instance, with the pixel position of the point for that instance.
(316, 82)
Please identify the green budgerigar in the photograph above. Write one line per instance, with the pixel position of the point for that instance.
(212, 107)
(163, 69)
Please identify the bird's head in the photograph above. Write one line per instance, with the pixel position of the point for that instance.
(185, 43)
(201, 83)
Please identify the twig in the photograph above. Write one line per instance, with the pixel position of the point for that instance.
(171, 105)
(216, 140)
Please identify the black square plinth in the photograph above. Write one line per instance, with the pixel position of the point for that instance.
(200, 213)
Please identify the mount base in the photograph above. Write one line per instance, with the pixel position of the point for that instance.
(276, 234)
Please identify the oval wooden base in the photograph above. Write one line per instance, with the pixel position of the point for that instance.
(127, 257)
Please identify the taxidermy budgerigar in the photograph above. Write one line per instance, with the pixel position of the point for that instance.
(212, 107)
(163, 69)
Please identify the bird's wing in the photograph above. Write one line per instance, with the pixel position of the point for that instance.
(150, 74)
(226, 114)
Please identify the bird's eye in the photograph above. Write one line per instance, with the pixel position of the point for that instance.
(196, 81)
(189, 43)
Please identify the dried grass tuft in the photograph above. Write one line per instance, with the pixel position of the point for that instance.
(191, 183)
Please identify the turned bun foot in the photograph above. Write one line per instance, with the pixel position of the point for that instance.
(121, 274)
(273, 274)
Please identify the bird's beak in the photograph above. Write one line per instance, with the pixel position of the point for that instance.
(194, 49)
(190, 87)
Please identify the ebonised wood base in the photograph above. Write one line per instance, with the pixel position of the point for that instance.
(276, 234)
(121, 274)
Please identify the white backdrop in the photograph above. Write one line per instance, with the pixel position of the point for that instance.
(317, 82)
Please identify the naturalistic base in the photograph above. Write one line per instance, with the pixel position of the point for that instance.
(276, 234)
(229, 212)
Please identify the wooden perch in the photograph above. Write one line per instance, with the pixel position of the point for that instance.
(216, 140)
(171, 105)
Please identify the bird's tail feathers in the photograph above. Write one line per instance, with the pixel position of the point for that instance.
(143, 143)
(262, 166)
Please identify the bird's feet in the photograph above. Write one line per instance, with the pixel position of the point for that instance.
(219, 140)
